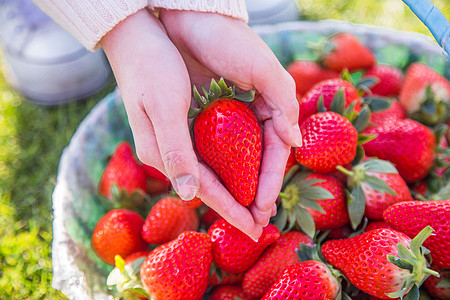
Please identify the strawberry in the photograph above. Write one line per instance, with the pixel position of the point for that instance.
(178, 269)
(291, 162)
(377, 225)
(277, 257)
(229, 292)
(308, 73)
(345, 51)
(390, 80)
(305, 280)
(157, 182)
(425, 94)
(408, 144)
(329, 140)
(228, 138)
(194, 203)
(378, 262)
(314, 202)
(118, 233)
(225, 278)
(328, 90)
(410, 217)
(432, 284)
(394, 113)
(235, 252)
(124, 171)
(166, 220)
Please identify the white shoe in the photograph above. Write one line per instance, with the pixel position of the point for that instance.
(272, 11)
(43, 61)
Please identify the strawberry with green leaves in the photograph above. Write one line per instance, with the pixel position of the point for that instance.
(383, 262)
(234, 251)
(329, 140)
(228, 138)
(409, 217)
(425, 94)
(307, 73)
(230, 292)
(166, 220)
(389, 80)
(118, 233)
(407, 144)
(178, 270)
(344, 51)
(392, 114)
(312, 202)
(277, 257)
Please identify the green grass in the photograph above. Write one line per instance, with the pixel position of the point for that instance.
(32, 139)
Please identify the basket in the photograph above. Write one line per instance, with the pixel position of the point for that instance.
(77, 271)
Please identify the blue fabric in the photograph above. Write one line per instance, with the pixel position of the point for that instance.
(430, 15)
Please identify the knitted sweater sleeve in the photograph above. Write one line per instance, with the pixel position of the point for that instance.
(89, 20)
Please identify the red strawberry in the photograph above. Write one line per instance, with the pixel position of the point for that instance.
(277, 257)
(291, 162)
(390, 80)
(157, 182)
(431, 284)
(305, 280)
(347, 52)
(391, 115)
(229, 292)
(308, 73)
(118, 233)
(329, 140)
(124, 170)
(194, 203)
(408, 144)
(228, 138)
(377, 225)
(178, 269)
(167, 220)
(234, 251)
(327, 89)
(367, 260)
(410, 217)
(428, 106)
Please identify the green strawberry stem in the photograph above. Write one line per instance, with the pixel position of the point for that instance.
(415, 262)
(344, 171)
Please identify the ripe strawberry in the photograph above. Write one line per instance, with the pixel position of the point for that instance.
(390, 80)
(346, 52)
(425, 94)
(377, 225)
(229, 292)
(371, 261)
(408, 144)
(118, 233)
(228, 138)
(329, 140)
(124, 170)
(235, 252)
(305, 280)
(178, 269)
(410, 217)
(166, 220)
(327, 89)
(157, 182)
(391, 115)
(277, 257)
(432, 284)
(308, 73)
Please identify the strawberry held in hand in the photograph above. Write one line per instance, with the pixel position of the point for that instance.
(383, 262)
(228, 138)
(178, 270)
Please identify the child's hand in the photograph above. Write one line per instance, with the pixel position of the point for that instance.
(216, 46)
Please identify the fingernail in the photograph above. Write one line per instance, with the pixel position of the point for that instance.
(185, 187)
(274, 211)
(256, 234)
(296, 135)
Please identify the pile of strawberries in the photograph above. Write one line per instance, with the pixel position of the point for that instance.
(364, 211)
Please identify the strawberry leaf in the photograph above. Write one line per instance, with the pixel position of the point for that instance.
(281, 218)
(402, 264)
(338, 102)
(378, 103)
(418, 240)
(366, 83)
(362, 119)
(312, 205)
(444, 283)
(413, 293)
(364, 138)
(321, 105)
(305, 221)
(247, 96)
(356, 205)
(378, 185)
(359, 155)
(379, 165)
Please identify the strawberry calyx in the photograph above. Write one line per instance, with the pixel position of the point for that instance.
(217, 90)
(434, 108)
(414, 261)
(138, 200)
(298, 195)
(126, 279)
(356, 198)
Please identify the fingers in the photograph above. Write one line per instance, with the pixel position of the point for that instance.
(216, 196)
(273, 164)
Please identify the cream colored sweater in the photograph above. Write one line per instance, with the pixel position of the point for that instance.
(90, 20)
